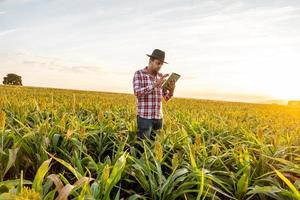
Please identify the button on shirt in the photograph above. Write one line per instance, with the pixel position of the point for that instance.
(149, 98)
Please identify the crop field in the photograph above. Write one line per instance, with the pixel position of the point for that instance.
(71, 144)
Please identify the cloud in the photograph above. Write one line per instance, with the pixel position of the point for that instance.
(59, 66)
(2, 12)
(6, 32)
(84, 68)
(29, 62)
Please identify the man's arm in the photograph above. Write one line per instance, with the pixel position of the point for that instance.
(137, 86)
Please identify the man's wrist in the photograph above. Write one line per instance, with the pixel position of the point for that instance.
(156, 85)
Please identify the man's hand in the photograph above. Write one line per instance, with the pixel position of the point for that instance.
(171, 86)
(161, 81)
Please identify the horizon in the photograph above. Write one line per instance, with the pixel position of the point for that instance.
(268, 101)
(229, 50)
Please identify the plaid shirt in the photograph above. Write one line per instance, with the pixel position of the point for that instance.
(149, 98)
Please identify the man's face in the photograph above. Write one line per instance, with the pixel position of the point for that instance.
(156, 65)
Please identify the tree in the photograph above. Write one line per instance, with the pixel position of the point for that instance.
(12, 79)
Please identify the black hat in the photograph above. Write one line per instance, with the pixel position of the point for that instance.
(158, 54)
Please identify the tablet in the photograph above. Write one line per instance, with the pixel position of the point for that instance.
(174, 77)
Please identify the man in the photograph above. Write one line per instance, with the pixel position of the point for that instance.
(147, 88)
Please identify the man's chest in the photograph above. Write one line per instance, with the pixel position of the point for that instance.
(149, 80)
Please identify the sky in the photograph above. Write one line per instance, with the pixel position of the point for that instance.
(229, 50)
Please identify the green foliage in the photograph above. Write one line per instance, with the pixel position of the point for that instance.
(68, 144)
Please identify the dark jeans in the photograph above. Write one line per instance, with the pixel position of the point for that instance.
(146, 127)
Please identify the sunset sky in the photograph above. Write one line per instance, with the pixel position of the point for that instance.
(224, 49)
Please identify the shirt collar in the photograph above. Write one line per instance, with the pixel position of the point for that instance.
(145, 71)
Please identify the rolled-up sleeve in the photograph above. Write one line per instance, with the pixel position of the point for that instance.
(137, 85)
